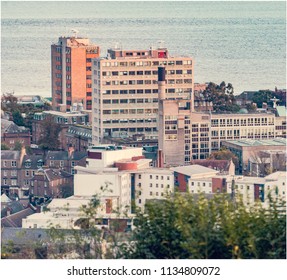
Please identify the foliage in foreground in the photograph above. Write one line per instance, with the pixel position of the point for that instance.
(180, 227)
(201, 228)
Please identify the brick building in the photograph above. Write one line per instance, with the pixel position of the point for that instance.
(48, 182)
(72, 72)
(12, 133)
(10, 172)
(60, 118)
(79, 137)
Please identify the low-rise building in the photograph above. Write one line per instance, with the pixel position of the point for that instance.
(11, 162)
(251, 189)
(66, 160)
(79, 137)
(49, 182)
(245, 149)
(63, 119)
(224, 167)
(265, 162)
(12, 134)
(122, 180)
(30, 165)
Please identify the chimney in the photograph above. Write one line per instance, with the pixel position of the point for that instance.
(160, 159)
(22, 154)
(70, 151)
(8, 211)
(161, 83)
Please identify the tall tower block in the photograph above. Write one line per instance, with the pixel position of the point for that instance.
(71, 72)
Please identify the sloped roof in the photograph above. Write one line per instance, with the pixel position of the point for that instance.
(5, 124)
(6, 154)
(281, 110)
(11, 127)
(57, 155)
(221, 165)
(53, 174)
(5, 198)
(84, 132)
(15, 220)
(76, 155)
(33, 159)
(14, 206)
(190, 170)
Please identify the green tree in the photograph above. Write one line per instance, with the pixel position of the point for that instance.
(17, 118)
(221, 97)
(51, 130)
(225, 154)
(262, 96)
(251, 108)
(200, 228)
(9, 103)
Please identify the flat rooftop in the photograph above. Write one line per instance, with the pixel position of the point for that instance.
(194, 169)
(257, 142)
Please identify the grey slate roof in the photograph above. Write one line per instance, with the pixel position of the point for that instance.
(53, 174)
(57, 155)
(33, 159)
(11, 127)
(14, 206)
(221, 165)
(6, 154)
(78, 155)
(83, 132)
(15, 220)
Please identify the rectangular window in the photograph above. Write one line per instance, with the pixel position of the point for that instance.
(13, 163)
(13, 182)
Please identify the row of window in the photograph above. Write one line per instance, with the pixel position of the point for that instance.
(143, 82)
(141, 73)
(12, 172)
(13, 163)
(13, 182)
(141, 91)
(142, 63)
(242, 122)
(130, 101)
(130, 111)
(130, 121)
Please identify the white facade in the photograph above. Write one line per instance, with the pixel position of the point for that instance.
(247, 187)
(125, 91)
(107, 157)
(152, 183)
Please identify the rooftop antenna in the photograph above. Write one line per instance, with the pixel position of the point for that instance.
(161, 44)
(118, 46)
(75, 32)
(274, 99)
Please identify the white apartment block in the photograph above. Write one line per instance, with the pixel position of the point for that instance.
(125, 90)
(152, 183)
(251, 189)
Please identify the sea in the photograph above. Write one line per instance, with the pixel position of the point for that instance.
(242, 43)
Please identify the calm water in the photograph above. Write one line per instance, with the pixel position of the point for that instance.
(238, 42)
